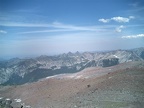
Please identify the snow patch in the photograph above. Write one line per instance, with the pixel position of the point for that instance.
(70, 76)
(109, 77)
(115, 56)
(7, 99)
(75, 106)
(51, 76)
(28, 106)
(78, 77)
(86, 77)
(18, 100)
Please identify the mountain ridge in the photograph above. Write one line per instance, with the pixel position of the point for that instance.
(20, 71)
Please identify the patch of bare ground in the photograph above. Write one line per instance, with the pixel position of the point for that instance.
(118, 86)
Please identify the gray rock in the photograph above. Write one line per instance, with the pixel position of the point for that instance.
(110, 62)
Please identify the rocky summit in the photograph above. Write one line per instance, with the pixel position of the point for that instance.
(119, 86)
(20, 71)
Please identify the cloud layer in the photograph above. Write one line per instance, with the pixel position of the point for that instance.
(104, 20)
(133, 36)
(61, 27)
(117, 19)
(2, 32)
(119, 29)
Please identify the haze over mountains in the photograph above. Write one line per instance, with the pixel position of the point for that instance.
(20, 71)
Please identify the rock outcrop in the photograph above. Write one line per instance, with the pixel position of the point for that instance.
(9, 103)
(110, 62)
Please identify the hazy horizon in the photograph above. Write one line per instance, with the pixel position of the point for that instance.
(51, 27)
(56, 54)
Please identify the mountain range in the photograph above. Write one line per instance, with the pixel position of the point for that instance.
(20, 71)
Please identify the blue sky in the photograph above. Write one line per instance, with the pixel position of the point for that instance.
(47, 27)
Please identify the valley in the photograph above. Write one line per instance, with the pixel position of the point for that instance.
(20, 71)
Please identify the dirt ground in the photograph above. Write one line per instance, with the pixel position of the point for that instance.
(120, 86)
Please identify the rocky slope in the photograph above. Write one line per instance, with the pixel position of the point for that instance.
(119, 86)
(20, 71)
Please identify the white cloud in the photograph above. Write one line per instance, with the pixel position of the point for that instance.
(134, 4)
(15, 24)
(104, 20)
(131, 17)
(46, 31)
(54, 25)
(73, 27)
(133, 36)
(120, 19)
(60, 27)
(119, 29)
(3, 32)
(117, 19)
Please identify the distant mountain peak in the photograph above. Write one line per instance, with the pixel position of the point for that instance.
(32, 69)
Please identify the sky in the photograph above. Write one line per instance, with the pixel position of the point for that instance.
(50, 27)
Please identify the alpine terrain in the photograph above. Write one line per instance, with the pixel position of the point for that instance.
(112, 79)
(20, 71)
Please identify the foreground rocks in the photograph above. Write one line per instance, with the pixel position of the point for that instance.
(9, 103)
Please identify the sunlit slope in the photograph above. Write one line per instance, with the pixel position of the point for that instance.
(119, 86)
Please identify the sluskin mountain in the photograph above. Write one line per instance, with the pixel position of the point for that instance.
(20, 71)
